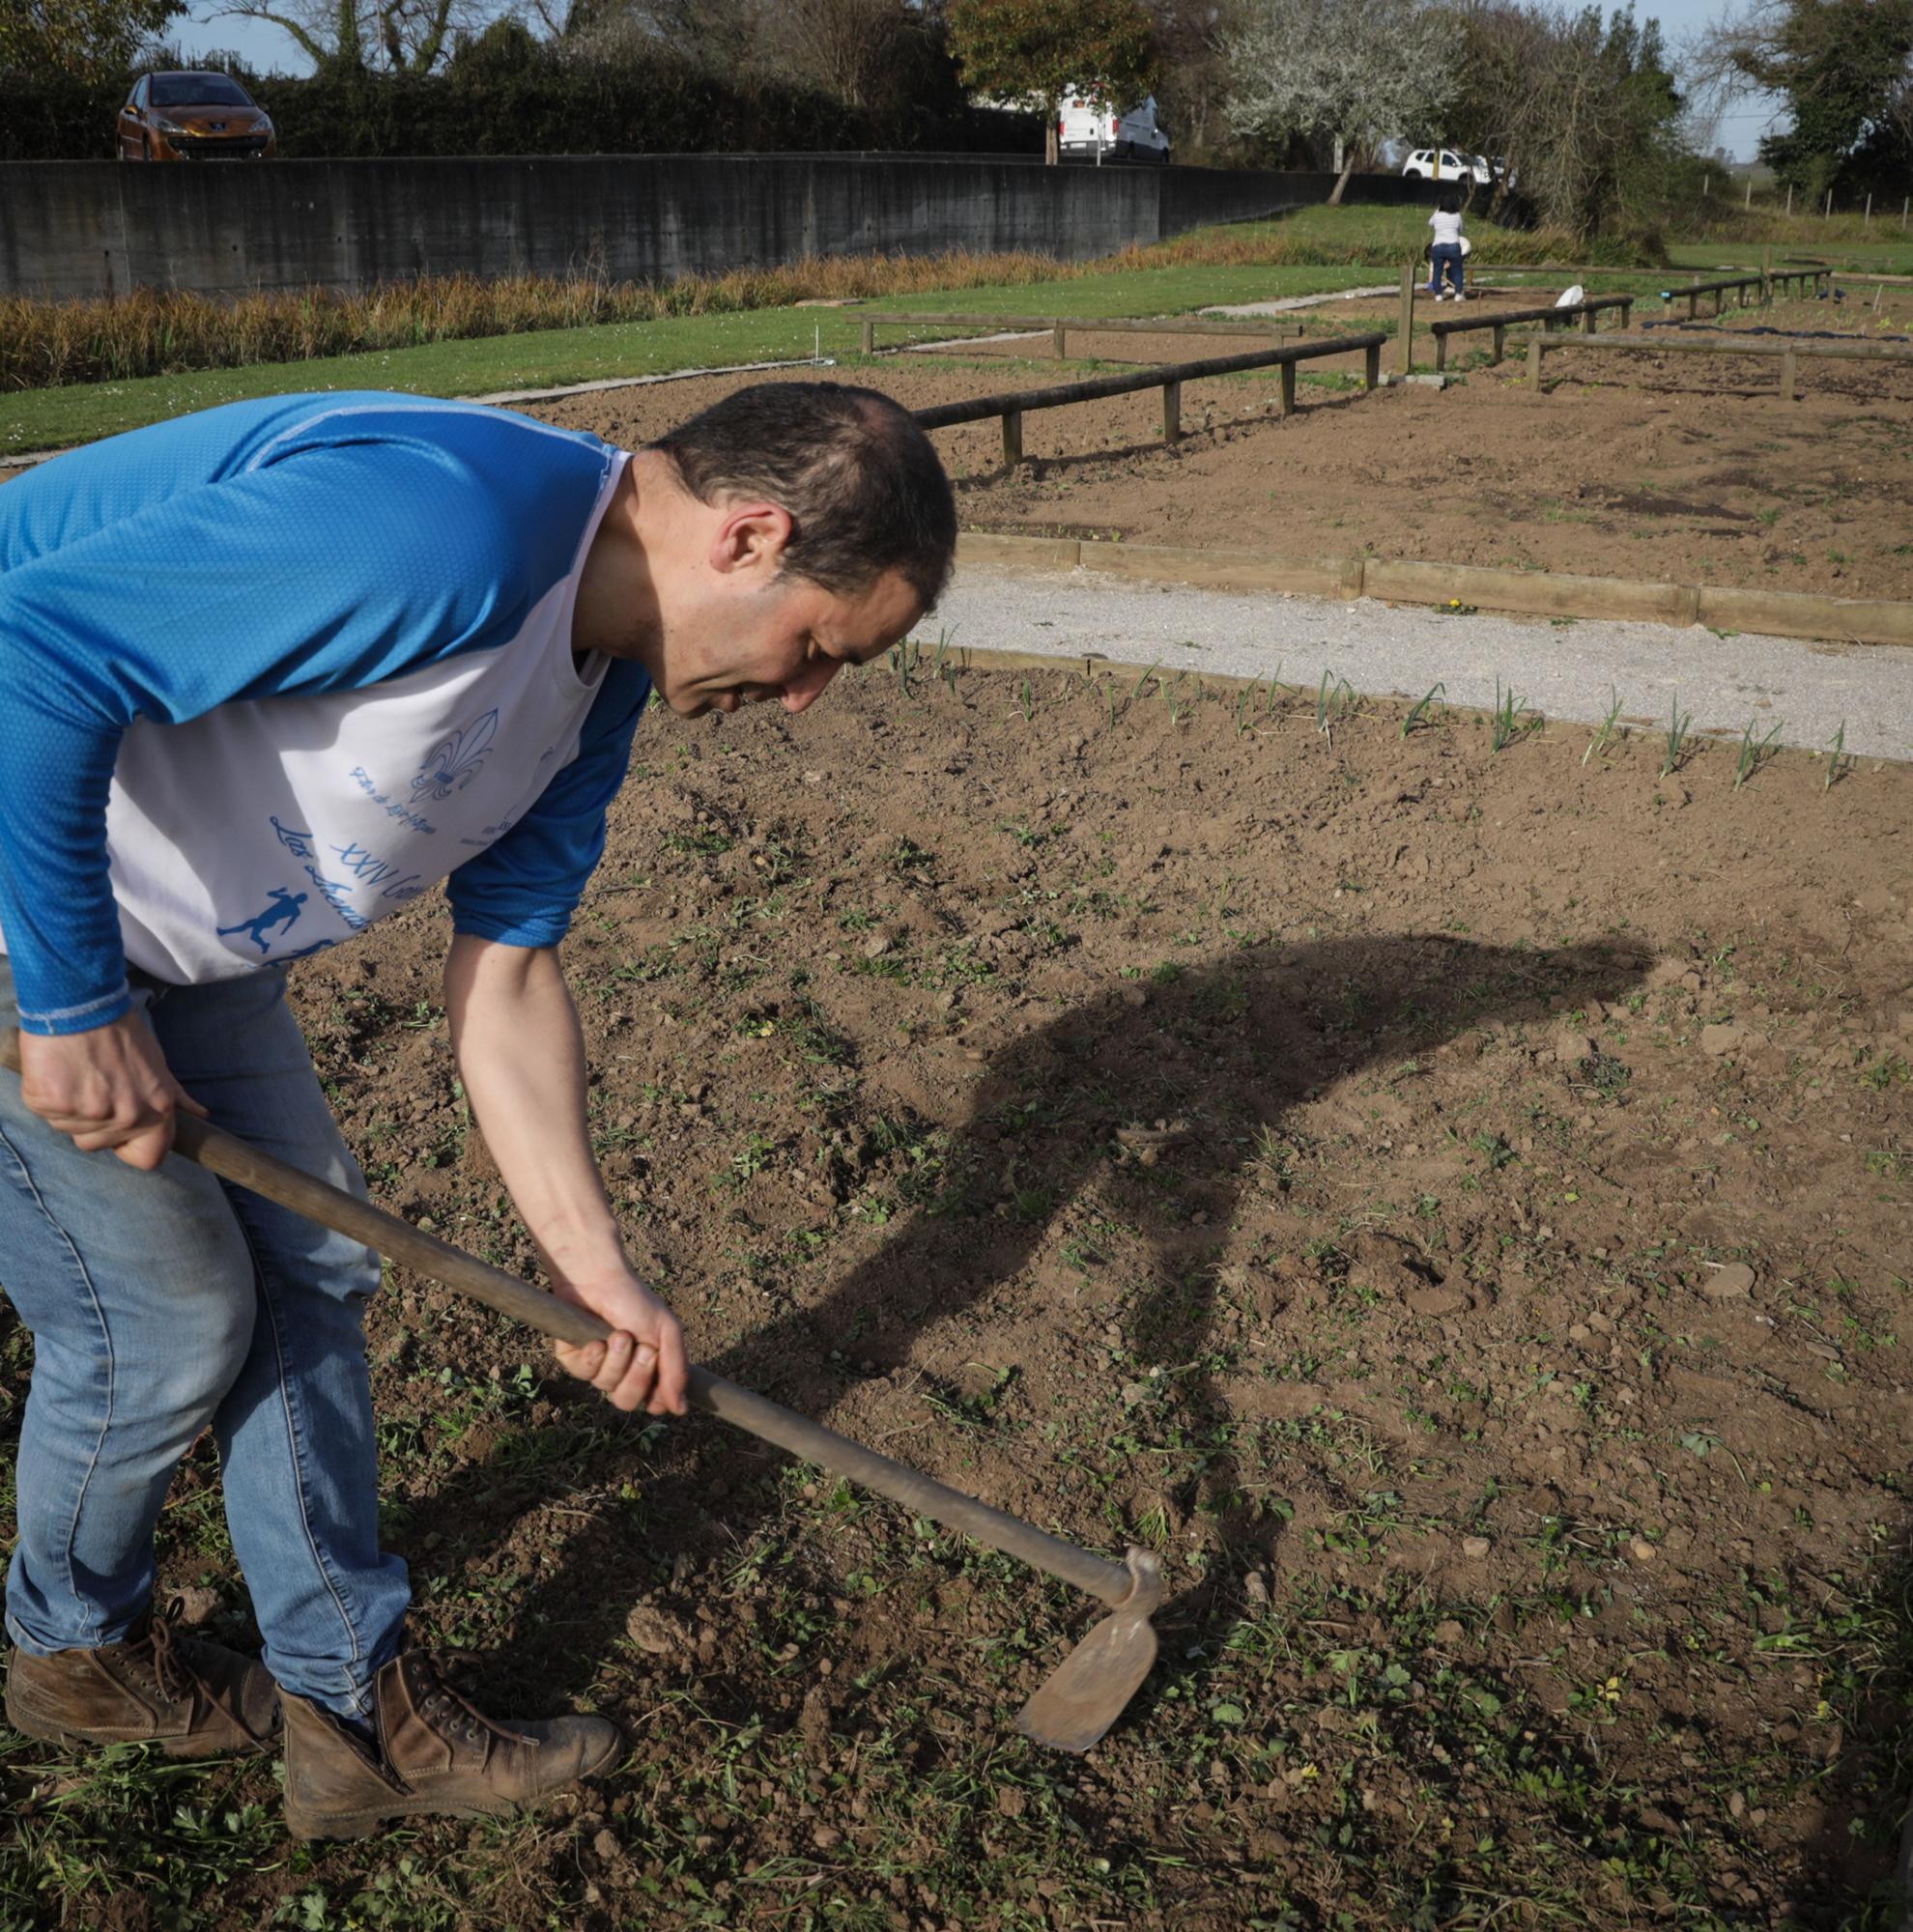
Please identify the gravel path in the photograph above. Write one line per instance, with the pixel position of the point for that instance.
(1280, 305)
(1565, 668)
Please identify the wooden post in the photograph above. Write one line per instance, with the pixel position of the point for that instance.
(1830, 204)
(1767, 276)
(1534, 362)
(1790, 197)
(1788, 392)
(1693, 307)
(1056, 335)
(1405, 352)
(1627, 312)
(1172, 412)
(1587, 319)
(1441, 349)
(1012, 438)
(1371, 365)
(1500, 342)
(1287, 370)
(870, 336)
(1870, 208)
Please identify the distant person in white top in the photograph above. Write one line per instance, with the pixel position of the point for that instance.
(1445, 256)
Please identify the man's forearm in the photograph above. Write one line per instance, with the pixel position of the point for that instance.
(522, 1058)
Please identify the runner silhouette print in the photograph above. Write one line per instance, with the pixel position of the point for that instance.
(284, 912)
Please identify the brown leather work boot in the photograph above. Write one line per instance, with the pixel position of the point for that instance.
(437, 1755)
(190, 1698)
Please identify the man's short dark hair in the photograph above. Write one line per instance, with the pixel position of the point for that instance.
(863, 485)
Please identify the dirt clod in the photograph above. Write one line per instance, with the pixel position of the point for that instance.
(657, 1633)
(1728, 1283)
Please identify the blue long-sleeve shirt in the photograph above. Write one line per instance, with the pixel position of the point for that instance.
(269, 672)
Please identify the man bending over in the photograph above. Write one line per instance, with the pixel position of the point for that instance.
(267, 673)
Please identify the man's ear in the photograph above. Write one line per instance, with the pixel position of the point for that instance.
(751, 536)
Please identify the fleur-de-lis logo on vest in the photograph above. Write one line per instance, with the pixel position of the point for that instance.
(453, 762)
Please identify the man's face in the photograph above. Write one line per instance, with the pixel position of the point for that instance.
(756, 637)
(698, 592)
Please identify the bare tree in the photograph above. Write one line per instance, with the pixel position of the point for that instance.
(1194, 74)
(405, 35)
(848, 50)
(1360, 72)
(1582, 108)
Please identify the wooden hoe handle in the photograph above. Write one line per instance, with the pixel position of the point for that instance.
(234, 1160)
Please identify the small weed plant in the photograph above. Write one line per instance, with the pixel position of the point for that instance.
(1333, 703)
(1419, 714)
(1599, 742)
(1680, 724)
(1510, 718)
(1752, 750)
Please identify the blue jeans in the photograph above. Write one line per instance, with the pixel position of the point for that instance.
(1444, 256)
(164, 1304)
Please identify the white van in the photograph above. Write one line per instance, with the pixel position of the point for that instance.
(1446, 164)
(1087, 128)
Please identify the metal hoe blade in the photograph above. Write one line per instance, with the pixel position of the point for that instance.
(1087, 1691)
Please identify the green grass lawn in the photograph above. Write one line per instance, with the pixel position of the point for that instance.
(1177, 291)
(1378, 238)
(1374, 236)
(80, 413)
(1881, 249)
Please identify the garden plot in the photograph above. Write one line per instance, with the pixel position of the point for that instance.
(1450, 1201)
(1648, 468)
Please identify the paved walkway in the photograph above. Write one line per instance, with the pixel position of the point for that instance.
(1565, 668)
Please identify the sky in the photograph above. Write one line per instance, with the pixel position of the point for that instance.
(267, 47)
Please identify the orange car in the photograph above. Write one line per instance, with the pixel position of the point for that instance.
(193, 117)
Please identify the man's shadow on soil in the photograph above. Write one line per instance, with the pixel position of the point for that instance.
(1219, 1053)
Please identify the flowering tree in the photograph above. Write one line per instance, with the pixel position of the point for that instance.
(1360, 72)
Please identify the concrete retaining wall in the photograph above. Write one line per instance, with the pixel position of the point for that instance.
(94, 228)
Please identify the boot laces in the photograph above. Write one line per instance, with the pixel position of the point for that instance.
(444, 1707)
(162, 1658)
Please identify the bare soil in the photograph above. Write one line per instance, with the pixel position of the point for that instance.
(1454, 1205)
(1664, 467)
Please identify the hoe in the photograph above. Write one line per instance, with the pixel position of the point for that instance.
(1070, 1711)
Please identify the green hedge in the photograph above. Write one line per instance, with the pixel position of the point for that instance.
(508, 94)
